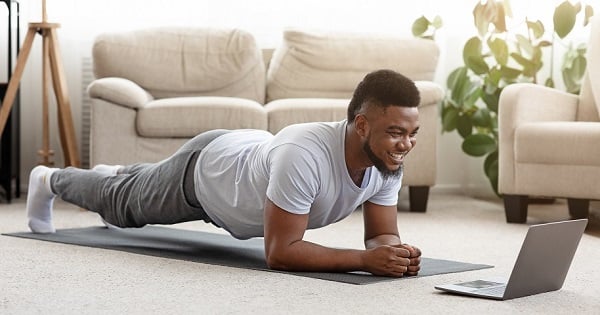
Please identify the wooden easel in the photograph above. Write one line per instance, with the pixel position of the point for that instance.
(52, 65)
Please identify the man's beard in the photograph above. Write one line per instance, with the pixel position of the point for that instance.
(379, 164)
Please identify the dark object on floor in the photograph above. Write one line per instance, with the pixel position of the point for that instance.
(216, 249)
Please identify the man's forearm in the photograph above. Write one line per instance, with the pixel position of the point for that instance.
(307, 256)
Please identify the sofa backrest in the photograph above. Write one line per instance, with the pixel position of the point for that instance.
(174, 62)
(330, 65)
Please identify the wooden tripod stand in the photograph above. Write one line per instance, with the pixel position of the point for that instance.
(51, 64)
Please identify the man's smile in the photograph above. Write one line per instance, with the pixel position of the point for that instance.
(397, 158)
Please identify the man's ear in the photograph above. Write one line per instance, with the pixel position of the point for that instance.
(361, 125)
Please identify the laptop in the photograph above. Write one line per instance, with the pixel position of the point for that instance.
(541, 266)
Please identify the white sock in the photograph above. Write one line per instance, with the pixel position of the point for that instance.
(40, 199)
(111, 226)
(107, 169)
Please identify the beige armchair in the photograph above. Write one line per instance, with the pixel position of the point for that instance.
(550, 142)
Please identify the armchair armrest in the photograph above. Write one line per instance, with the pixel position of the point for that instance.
(526, 102)
(119, 91)
(522, 103)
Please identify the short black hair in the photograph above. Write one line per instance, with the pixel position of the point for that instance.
(383, 88)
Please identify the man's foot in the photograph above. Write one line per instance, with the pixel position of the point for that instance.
(40, 199)
(107, 169)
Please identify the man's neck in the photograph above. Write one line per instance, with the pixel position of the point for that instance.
(353, 154)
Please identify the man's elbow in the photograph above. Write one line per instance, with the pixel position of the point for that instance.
(277, 261)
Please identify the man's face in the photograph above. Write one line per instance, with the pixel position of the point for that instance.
(391, 135)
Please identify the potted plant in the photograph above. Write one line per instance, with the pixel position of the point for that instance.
(496, 57)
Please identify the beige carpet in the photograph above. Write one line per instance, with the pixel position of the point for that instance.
(49, 278)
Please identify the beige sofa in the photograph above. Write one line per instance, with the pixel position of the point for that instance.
(157, 88)
(550, 142)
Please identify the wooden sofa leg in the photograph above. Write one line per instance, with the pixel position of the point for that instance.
(418, 196)
(579, 208)
(515, 207)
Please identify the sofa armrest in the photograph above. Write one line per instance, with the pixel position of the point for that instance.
(119, 91)
(431, 93)
(522, 103)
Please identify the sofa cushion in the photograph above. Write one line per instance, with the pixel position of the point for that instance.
(558, 143)
(289, 111)
(189, 116)
(171, 62)
(330, 65)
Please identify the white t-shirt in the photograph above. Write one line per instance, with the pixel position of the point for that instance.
(302, 169)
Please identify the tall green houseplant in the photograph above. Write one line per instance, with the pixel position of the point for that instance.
(496, 57)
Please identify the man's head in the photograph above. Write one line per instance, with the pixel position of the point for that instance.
(383, 88)
(384, 113)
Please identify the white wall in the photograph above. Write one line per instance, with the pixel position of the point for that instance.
(81, 21)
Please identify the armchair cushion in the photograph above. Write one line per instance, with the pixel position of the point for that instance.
(558, 143)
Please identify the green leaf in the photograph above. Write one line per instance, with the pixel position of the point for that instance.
(449, 119)
(481, 18)
(482, 117)
(524, 44)
(457, 75)
(529, 67)
(589, 12)
(520, 59)
(507, 8)
(579, 66)
(464, 126)
(500, 18)
(491, 100)
(472, 48)
(479, 144)
(472, 94)
(499, 49)
(549, 83)
(420, 26)
(459, 85)
(509, 73)
(477, 65)
(537, 28)
(544, 43)
(564, 18)
(491, 169)
(572, 73)
(494, 77)
(437, 22)
(490, 165)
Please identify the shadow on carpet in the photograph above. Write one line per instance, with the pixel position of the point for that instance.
(216, 249)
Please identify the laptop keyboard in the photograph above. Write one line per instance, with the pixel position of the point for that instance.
(494, 291)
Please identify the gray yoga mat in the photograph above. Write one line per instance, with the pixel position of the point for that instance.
(216, 249)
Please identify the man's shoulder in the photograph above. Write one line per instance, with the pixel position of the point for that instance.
(317, 140)
(324, 131)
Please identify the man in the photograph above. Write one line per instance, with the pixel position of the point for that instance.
(254, 184)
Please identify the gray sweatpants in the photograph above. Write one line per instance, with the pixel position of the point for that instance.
(145, 193)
